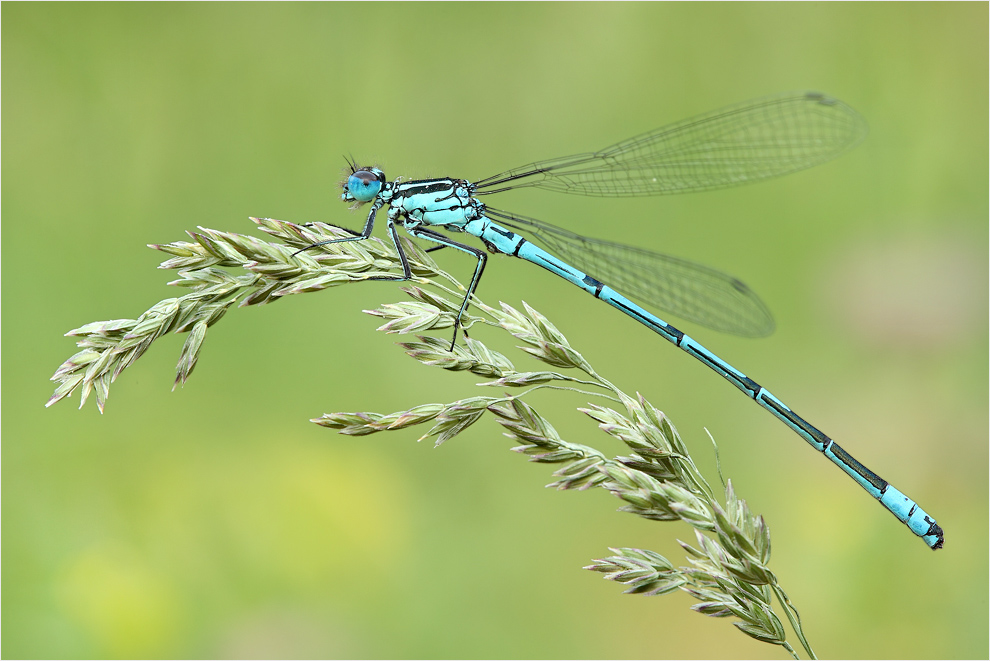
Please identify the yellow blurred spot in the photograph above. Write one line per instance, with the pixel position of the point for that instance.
(128, 608)
(299, 515)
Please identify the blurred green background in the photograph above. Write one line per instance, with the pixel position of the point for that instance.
(216, 521)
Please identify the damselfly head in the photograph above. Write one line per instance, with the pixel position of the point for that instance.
(363, 184)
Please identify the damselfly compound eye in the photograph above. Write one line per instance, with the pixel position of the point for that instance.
(364, 185)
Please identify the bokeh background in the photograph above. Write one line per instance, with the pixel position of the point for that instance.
(216, 521)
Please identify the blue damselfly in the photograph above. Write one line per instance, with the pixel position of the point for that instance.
(741, 144)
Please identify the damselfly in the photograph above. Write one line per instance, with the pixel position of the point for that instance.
(741, 144)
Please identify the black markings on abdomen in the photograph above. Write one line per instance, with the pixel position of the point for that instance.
(936, 530)
(560, 266)
(591, 282)
(800, 423)
(744, 383)
(634, 314)
(858, 468)
(498, 230)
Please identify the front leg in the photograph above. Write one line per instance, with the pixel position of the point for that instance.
(369, 224)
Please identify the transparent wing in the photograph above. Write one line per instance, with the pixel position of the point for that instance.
(688, 290)
(740, 144)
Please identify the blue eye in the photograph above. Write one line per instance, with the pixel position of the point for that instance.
(364, 185)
